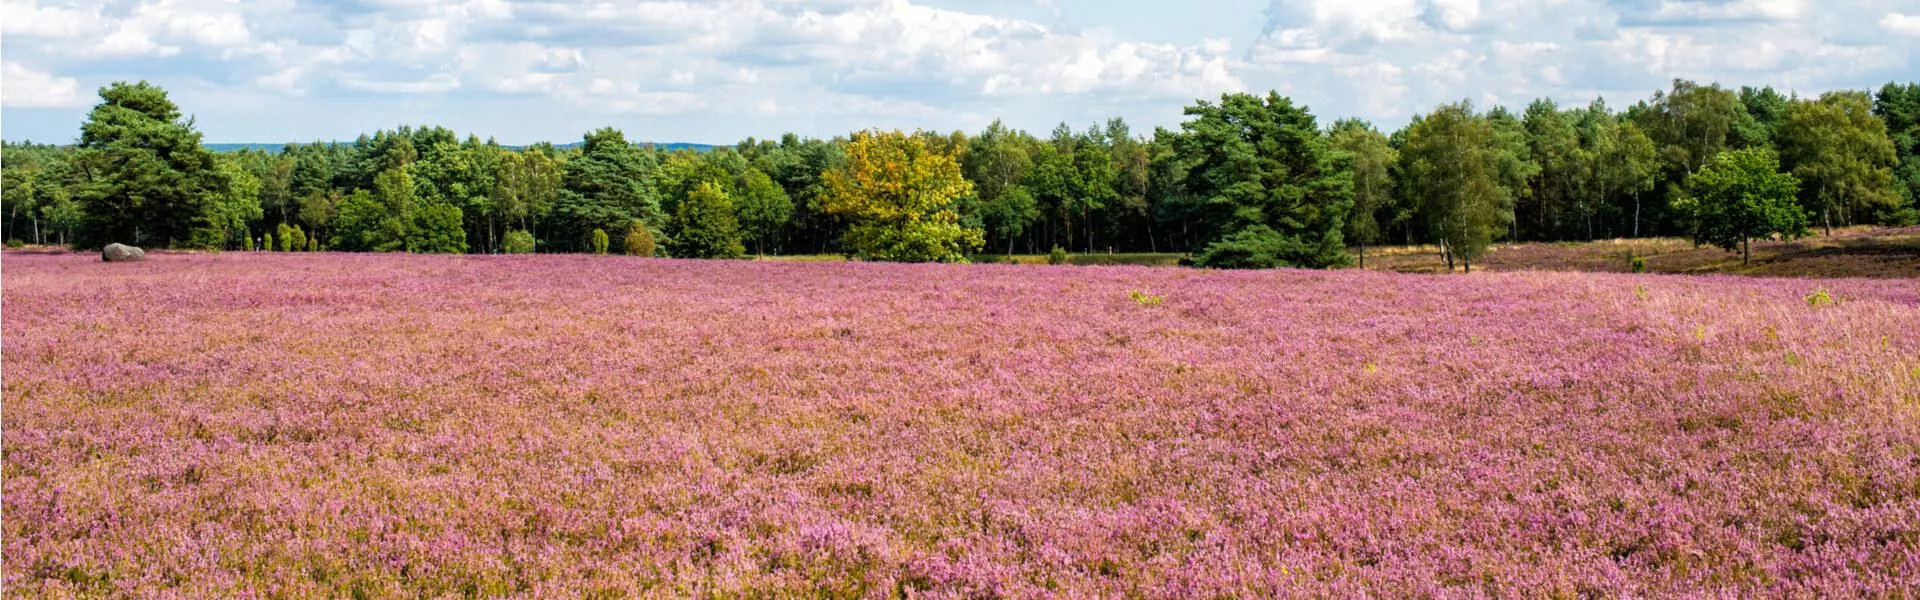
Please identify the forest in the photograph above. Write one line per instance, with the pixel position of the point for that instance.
(1244, 181)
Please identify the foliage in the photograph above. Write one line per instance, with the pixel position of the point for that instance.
(1740, 196)
(605, 187)
(1451, 172)
(1256, 247)
(1841, 153)
(1057, 256)
(704, 225)
(1637, 264)
(517, 241)
(1263, 162)
(1372, 166)
(901, 199)
(146, 179)
(1820, 297)
(763, 208)
(639, 240)
(1145, 298)
(599, 240)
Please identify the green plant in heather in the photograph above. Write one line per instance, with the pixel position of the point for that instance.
(639, 240)
(313, 243)
(298, 239)
(517, 241)
(1820, 297)
(1742, 195)
(284, 235)
(266, 241)
(16, 243)
(704, 225)
(1637, 264)
(1057, 256)
(600, 241)
(1145, 298)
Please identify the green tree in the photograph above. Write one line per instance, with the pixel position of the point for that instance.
(1841, 152)
(145, 179)
(1740, 196)
(901, 199)
(599, 241)
(1372, 165)
(1555, 145)
(1263, 161)
(764, 208)
(604, 187)
(284, 235)
(998, 163)
(1451, 172)
(1899, 106)
(224, 219)
(705, 225)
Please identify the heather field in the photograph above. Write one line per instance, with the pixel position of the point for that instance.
(305, 425)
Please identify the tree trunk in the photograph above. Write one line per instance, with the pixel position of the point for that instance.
(1746, 251)
(1363, 255)
(1636, 214)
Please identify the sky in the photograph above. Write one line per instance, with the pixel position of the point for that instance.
(717, 71)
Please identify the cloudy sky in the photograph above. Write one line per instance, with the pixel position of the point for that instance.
(719, 70)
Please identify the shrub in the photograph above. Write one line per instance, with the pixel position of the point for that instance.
(1257, 247)
(1638, 265)
(1058, 256)
(517, 242)
(639, 240)
(285, 237)
(600, 241)
(266, 241)
(1145, 298)
(313, 243)
(1820, 297)
(299, 241)
(16, 243)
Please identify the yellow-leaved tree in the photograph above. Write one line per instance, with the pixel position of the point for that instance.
(901, 199)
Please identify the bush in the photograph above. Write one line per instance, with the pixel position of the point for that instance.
(16, 243)
(1820, 297)
(1058, 256)
(285, 237)
(1638, 265)
(266, 241)
(313, 243)
(517, 242)
(299, 241)
(639, 240)
(1257, 247)
(600, 241)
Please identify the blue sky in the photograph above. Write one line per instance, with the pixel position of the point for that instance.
(716, 71)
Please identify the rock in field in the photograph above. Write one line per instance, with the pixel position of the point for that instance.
(122, 253)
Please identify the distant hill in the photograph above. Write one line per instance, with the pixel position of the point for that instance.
(275, 148)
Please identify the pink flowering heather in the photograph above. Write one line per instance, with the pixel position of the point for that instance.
(264, 425)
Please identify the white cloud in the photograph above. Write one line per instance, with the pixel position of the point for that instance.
(24, 87)
(1901, 24)
(855, 61)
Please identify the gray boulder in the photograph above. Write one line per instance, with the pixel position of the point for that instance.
(122, 253)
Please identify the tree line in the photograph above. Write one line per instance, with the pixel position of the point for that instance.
(1247, 181)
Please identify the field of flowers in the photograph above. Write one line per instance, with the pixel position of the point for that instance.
(307, 425)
